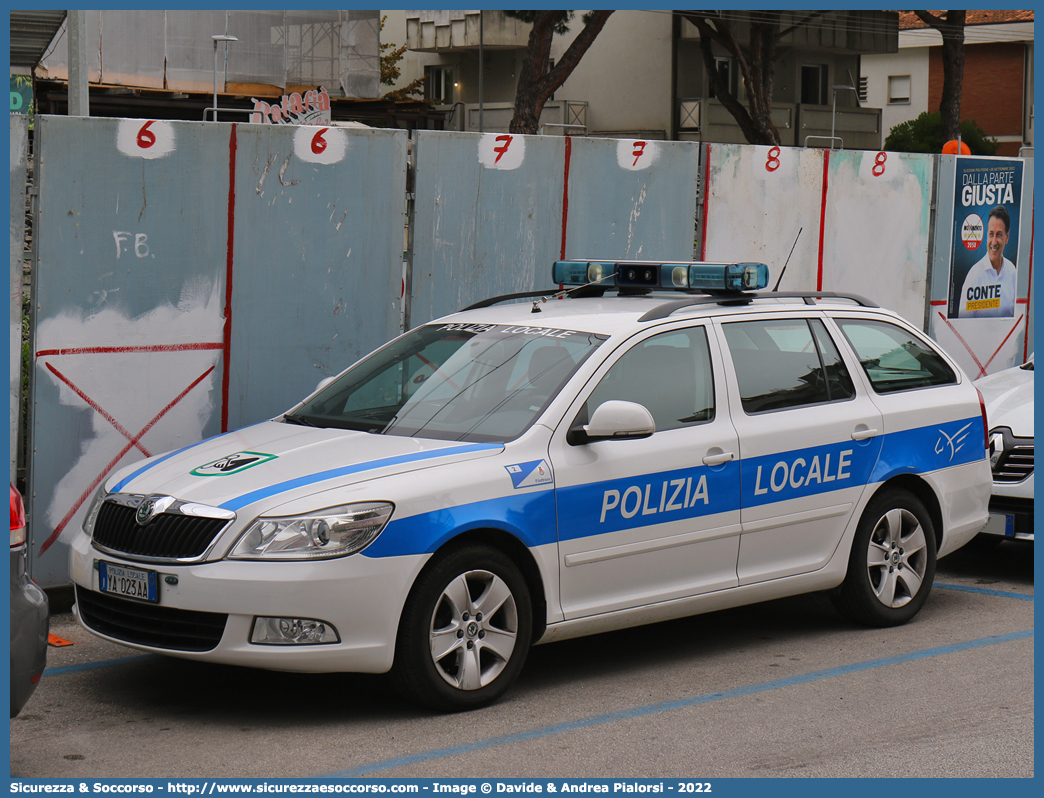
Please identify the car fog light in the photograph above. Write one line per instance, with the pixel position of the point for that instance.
(292, 632)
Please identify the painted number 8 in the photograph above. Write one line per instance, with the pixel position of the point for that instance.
(879, 164)
(772, 164)
(146, 138)
(318, 142)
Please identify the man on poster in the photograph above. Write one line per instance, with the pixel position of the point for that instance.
(984, 252)
(989, 288)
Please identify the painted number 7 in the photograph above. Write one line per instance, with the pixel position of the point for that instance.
(504, 148)
(639, 148)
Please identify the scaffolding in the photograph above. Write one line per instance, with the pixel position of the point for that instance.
(339, 50)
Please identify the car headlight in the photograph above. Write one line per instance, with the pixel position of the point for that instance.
(333, 532)
(93, 509)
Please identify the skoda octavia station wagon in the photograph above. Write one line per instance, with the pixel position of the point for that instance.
(530, 471)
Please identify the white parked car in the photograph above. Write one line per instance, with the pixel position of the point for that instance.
(1009, 410)
(528, 472)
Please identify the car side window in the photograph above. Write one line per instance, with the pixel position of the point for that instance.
(893, 359)
(669, 374)
(786, 363)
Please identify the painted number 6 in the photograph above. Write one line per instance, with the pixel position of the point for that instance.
(318, 142)
(146, 138)
(772, 164)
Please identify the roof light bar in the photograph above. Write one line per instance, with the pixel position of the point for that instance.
(699, 276)
(582, 272)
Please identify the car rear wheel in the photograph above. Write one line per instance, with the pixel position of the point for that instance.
(892, 564)
(465, 631)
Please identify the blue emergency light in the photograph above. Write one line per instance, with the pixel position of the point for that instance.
(692, 276)
(582, 272)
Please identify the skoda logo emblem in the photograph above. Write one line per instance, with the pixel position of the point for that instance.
(145, 512)
(150, 507)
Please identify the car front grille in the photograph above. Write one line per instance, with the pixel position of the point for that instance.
(168, 536)
(1015, 464)
(150, 624)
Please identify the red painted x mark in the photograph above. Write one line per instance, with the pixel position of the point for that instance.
(134, 441)
(98, 409)
(982, 368)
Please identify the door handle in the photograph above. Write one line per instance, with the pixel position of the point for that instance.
(718, 459)
(863, 434)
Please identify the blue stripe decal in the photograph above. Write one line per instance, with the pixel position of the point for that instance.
(667, 706)
(123, 482)
(808, 472)
(927, 449)
(529, 516)
(616, 504)
(334, 473)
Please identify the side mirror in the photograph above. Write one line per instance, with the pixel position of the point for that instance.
(323, 383)
(615, 420)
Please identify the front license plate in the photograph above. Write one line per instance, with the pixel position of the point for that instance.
(119, 580)
(1009, 523)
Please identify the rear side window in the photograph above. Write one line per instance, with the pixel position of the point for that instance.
(786, 363)
(893, 359)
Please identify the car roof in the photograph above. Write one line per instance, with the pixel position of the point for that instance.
(611, 313)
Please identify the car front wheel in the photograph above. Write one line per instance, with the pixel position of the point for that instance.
(892, 564)
(465, 631)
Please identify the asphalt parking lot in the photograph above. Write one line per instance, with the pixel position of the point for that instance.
(784, 689)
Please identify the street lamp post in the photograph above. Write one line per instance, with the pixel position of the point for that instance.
(220, 37)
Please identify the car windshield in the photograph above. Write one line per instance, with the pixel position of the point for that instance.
(464, 382)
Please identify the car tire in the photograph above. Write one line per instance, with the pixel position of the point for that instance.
(892, 562)
(465, 630)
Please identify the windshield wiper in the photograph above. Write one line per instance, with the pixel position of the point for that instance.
(300, 420)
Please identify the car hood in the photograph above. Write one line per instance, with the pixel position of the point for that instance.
(1009, 400)
(272, 462)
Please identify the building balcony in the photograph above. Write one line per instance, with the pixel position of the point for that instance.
(834, 31)
(853, 128)
(444, 31)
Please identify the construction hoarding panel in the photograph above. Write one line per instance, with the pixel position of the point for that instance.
(19, 161)
(761, 203)
(876, 221)
(317, 258)
(494, 211)
(982, 344)
(192, 278)
(487, 218)
(631, 199)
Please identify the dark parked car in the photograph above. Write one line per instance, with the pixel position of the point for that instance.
(28, 616)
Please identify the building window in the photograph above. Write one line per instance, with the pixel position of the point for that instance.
(815, 88)
(727, 75)
(438, 84)
(864, 88)
(898, 89)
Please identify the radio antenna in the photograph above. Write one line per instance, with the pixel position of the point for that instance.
(780, 279)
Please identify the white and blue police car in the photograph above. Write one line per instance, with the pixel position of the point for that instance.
(524, 472)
